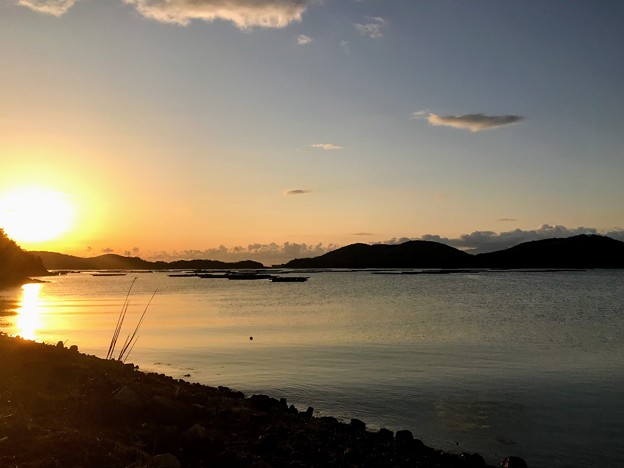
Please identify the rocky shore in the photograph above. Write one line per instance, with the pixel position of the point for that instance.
(61, 408)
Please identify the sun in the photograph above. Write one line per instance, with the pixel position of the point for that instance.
(36, 215)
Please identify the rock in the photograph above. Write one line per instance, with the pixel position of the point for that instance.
(165, 460)
(60, 344)
(196, 433)
(385, 435)
(404, 437)
(357, 425)
(127, 397)
(473, 459)
(513, 462)
(263, 402)
(309, 412)
(73, 348)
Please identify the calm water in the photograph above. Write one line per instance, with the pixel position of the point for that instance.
(527, 364)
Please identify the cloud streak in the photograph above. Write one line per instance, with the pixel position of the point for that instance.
(245, 14)
(296, 192)
(489, 241)
(473, 122)
(268, 254)
(372, 29)
(302, 39)
(326, 146)
(49, 7)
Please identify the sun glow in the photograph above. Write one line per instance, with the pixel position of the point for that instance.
(36, 215)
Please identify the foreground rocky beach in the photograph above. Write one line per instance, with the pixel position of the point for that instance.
(59, 407)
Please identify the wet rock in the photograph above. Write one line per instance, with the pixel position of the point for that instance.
(293, 410)
(165, 460)
(309, 412)
(513, 462)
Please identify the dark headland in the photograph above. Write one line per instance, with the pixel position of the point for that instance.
(61, 408)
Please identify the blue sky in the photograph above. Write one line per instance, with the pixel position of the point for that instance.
(180, 126)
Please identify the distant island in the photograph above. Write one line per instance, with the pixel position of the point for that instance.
(58, 261)
(578, 252)
(582, 251)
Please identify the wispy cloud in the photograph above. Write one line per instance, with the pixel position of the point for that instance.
(245, 14)
(49, 7)
(472, 122)
(507, 220)
(302, 39)
(363, 234)
(344, 45)
(326, 146)
(373, 28)
(296, 192)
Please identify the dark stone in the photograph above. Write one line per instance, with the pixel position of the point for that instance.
(60, 344)
(165, 460)
(309, 412)
(292, 409)
(404, 437)
(513, 462)
(385, 435)
(473, 460)
(283, 403)
(73, 348)
(357, 425)
(262, 402)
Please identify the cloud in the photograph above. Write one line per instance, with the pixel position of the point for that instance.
(245, 14)
(267, 254)
(363, 234)
(302, 39)
(372, 29)
(344, 45)
(49, 7)
(326, 146)
(296, 192)
(108, 250)
(507, 220)
(489, 241)
(472, 122)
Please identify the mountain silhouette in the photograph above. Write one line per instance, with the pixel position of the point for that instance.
(582, 251)
(411, 254)
(57, 261)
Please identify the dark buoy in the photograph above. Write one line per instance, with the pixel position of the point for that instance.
(250, 338)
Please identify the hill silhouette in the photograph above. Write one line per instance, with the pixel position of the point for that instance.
(583, 251)
(411, 254)
(17, 265)
(57, 261)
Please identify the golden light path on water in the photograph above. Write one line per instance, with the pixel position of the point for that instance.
(29, 319)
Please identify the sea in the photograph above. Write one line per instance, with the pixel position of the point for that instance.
(523, 363)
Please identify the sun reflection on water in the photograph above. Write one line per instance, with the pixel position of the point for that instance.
(29, 312)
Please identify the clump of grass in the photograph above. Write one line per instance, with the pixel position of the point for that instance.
(132, 338)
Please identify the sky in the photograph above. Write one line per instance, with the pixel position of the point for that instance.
(275, 129)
